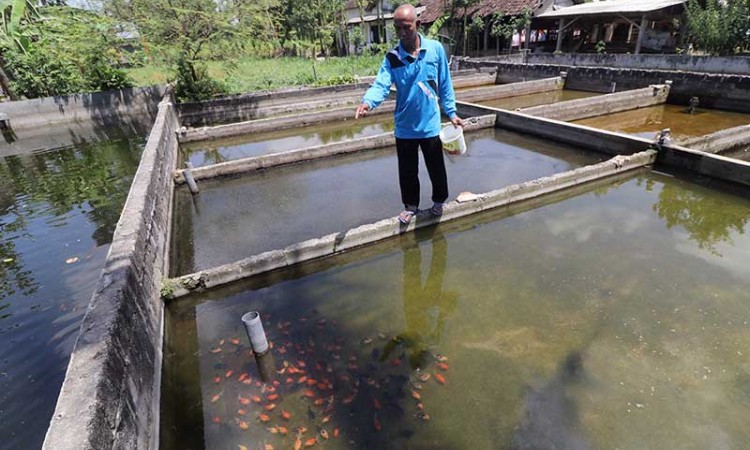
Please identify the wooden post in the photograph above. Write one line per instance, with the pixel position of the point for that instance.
(641, 32)
(486, 33)
(560, 30)
(527, 33)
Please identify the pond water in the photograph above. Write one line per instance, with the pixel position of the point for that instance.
(614, 316)
(542, 98)
(234, 218)
(58, 211)
(646, 122)
(205, 153)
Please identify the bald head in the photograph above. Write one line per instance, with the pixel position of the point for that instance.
(407, 26)
(405, 12)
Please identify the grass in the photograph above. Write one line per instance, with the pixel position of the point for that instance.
(254, 74)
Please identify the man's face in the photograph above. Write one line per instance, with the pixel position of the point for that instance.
(406, 29)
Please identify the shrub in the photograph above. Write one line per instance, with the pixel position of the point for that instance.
(192, 82)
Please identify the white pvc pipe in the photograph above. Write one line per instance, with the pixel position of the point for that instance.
(255, 332)
(189, 178)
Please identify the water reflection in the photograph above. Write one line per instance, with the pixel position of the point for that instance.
(58, 212)
(708, 220)
(283, 140)
(426, 304)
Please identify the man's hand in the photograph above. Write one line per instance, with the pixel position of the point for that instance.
(362, 110)
(457, 122)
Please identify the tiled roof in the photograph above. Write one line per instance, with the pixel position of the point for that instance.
(436, 8)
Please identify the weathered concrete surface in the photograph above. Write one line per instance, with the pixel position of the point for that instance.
(384, 229)
(716, 91)
(602, 141)
(258, 105)
(715, 166)
(510, 90)
(478, 79)
(603, 104)
(276, 123)
(110, 396)
(243, 107)
(701, 163)
(721, 141)
(311, 153)
(738, 65)
(55, 122)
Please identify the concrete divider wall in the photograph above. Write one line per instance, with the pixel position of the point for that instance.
(110, 396)
(739, 65)
(510, 90)
(57, 122)
(367, 234)
(603, 104)
(277, 123)
(244, 107)
(107, 107)
(730, 92)
(608, 142)
(478, 79)
(602, 141)
(715, 166)
(311, 153)
(721, 141)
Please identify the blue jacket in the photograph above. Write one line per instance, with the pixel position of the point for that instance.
(421, 84)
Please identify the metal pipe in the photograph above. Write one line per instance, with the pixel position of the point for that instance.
(255, 332)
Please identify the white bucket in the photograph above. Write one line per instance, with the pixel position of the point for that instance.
(453, 140)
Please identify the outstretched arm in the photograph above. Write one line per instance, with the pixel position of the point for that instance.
(378, 91)
(447, 97)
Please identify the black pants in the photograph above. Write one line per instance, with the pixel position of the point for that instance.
(408, 169)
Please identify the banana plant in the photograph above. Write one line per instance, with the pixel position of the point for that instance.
(12, 11)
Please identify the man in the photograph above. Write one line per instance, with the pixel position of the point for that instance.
(419, 68)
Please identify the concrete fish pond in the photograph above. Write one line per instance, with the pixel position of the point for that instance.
(212, 229)
(228, 149)
(582, 288)
(610, 316)
(646, 122)
(542, 98)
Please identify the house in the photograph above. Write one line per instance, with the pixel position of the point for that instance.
(618, 26)
(375, 19)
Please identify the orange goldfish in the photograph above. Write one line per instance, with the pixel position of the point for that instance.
(235, 341)
(241, 412)
(229, 374)
(270, 406)
(310, 442)
(263, 417)
(272, 397)
(376, 423)
(244, 425)
(244, 401)
(440, 379)
(256, 399)
(442, 366)
(286, 414)
(297, 443)
(415, 395)
(335, 432)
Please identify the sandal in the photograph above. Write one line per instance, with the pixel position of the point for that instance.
(437, 209)
(406, 215)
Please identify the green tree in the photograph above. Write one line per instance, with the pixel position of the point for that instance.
(720, 27)
(505, 25)
(62, 50)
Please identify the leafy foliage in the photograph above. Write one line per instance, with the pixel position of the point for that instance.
(62, 50)
(192, 82)
(720, 27)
